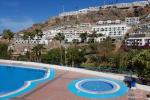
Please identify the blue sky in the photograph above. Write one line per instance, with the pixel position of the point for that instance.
(19, 14)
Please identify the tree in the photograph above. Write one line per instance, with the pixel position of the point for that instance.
(52, 57)
(141, 62)
(38, 33)
(60, 37)
(92, 37)
(8, 34)
(75, 56)
(99, 53)
(75, 41)
(3, 51)
(83, 37)
(37, 51)
(106, 47)
(120, 60)
(27, 36)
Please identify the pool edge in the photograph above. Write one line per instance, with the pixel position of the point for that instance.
(29, 85)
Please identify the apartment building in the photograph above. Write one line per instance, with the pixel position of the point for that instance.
(132, 20)
(34, 41)
(109, 22)
(72, 34)
(127, 5)
(1, 36)
(138, 40)
(100, 39)
(81, 11)
(144, 26)
(69, 38)
(114, 30)
(140, 3)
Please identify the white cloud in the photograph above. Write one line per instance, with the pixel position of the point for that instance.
(16, 25)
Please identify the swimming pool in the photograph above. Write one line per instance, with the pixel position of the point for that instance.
(98, 88)
(16, 80)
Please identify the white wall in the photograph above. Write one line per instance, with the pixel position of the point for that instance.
(112, 29)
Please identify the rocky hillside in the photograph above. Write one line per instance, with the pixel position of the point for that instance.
(92, 17)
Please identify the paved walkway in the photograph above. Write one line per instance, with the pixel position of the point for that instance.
(57, 89)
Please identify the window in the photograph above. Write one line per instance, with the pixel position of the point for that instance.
(102, 29)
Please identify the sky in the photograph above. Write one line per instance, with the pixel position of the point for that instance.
(20, 14)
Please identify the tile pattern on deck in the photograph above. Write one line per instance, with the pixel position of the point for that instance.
(56, 89)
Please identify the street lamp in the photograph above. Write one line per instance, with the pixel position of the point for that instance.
(65, 57)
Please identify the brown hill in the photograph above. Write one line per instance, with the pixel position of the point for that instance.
(92, 17)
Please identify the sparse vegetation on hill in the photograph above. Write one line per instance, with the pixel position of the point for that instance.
(92, 17)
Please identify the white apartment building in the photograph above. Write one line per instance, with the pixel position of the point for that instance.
(81, 11)
(100, 39)
(140, 3)
(74, 33)
(84, 25)
(71, 32)
(109, 22)
(34, 41)
(148, 16)
(138, 40)
(49, 34)
(116, 31)
(69, 38)
(145, 26)
(124, 5)
(127, 5)
(132, 20)
(68, 13)
(118, 5)
(94, 8)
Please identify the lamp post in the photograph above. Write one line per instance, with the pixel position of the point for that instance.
(65, 56)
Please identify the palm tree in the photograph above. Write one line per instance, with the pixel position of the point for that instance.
(38, 33)
(10, 51)
(8, 34)
(37, 51)
(92, 36)
(60, 37)
(75, 41)
(27, 36)
(3, 51)
(83, 37)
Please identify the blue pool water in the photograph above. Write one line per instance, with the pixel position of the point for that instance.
(13, 78)
(97, 86)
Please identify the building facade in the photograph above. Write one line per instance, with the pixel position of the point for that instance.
(145, 26)
(115, 31)
(81, 11)
(127, 5)
(138, 41)
(132, 20)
